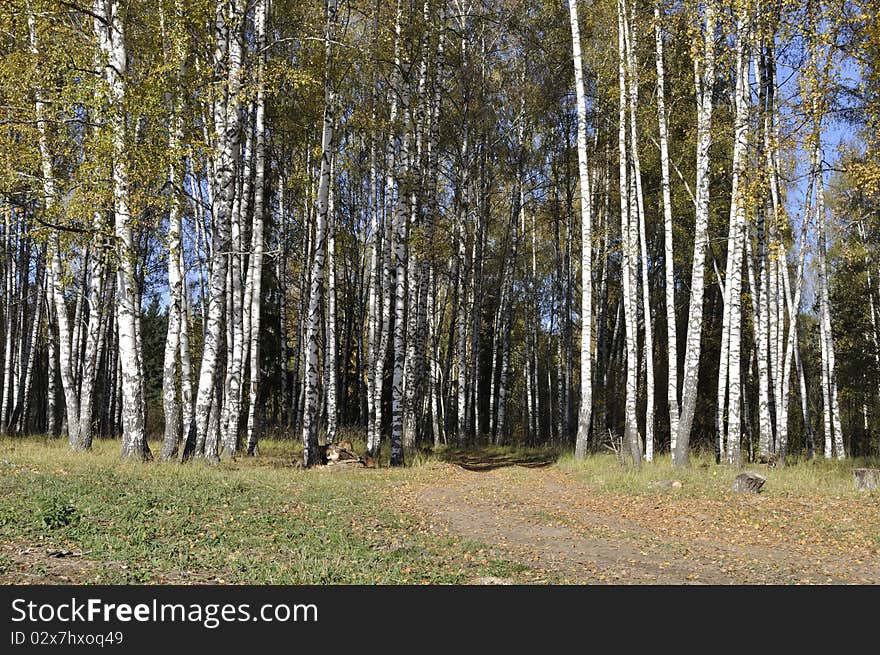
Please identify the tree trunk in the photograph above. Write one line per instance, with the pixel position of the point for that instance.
(226, 110)
(255, 269)
(55, 277)
(310, 412)
(111, 39)
(736, 237)
(704, 79)
(669, 250)
(331, 364)
(170, 401)
(630, 28)
(628, 238)
(586, 406)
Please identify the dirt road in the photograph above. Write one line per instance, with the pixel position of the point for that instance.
(548, 520)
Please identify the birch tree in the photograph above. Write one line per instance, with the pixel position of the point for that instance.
(310, 415)
(629, 240)
(55, 274)
(226, 122)
(669, 247)
(704, 79)
(729, 369)
(255, 270)
(586, 406)
(176, 313)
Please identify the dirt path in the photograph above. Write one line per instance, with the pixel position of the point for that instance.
(549, 521)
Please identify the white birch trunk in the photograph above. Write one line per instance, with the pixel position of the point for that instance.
(435, 394)
(313, 319)
(255, 269)
(399, 346)
(226, 116)
(186, 390)
(833, 429)
(793, 302)
(398, 160)
(170, 402)
(586, 406)
(532, 322)
(281, 273)
(374, 245)
(763, 347)
(111, 39)
(735, 242)
(52, 364)
(704, 79)
(724, 353)
(6, 391)
(629, 248)
(461, 328)
(374, 299)
(236, 315)
(25, 389)
(55, 276)
(331, 364)
(76, 336)
(421, 207)
(632, 73)
(88, 370)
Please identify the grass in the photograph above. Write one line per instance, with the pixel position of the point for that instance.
(807, 502)
(703, 478)
(257, 521)
(93, 518)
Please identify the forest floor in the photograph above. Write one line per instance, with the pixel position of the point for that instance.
(493, 516)
(585, 527)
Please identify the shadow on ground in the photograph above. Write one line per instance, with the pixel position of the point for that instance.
(489, 460)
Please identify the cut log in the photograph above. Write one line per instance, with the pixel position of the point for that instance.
(336, 453)
(341, 465)
(346, 462)
(867, 479)
(664, 484)
(749, 482)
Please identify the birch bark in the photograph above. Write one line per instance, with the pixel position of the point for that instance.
(310, 412)
(586, 406)
(399, 169)
(630, 28)
(111, 39)
(704, 79)
(226, 118)
(669, 250)
(255, 269)
(628, 237)
(55, 276)
(735, 242)
(170, 389)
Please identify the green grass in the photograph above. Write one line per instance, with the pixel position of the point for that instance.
(254, 520)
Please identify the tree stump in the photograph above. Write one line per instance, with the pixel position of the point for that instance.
(867, 479)
(749, 482)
